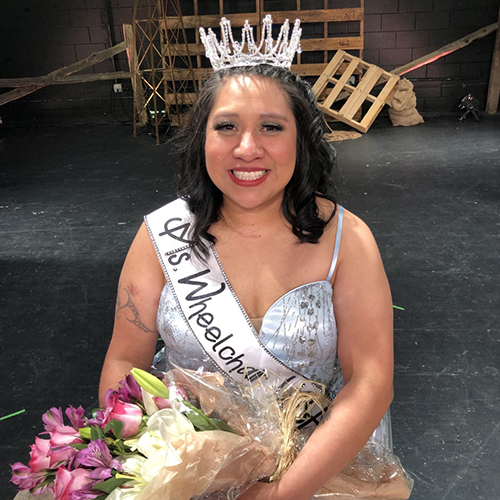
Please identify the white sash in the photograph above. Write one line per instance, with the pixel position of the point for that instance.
(211, 309)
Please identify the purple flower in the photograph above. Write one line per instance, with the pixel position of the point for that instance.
(129, 390)
(84, 495)
(98, 419)
(97, 455)
(76, 416)
(24, 477)
(52, 418)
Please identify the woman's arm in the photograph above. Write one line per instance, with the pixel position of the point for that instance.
(363, 310)
(134, 335)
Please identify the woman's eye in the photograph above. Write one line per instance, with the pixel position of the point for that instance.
(272, 127)
(224, 126)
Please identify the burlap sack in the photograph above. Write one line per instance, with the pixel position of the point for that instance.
(402, 105)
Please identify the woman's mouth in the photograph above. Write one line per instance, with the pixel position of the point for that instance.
(249, 176)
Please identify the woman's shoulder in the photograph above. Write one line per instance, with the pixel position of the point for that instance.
(358, 246)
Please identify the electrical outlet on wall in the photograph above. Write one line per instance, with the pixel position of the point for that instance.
(117, 87)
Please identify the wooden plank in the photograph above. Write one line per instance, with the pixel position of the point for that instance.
(52, 77)
(313, 44)
(342, 81)
(318, 15)
(333, 43)
(212, 21)
(140, 114)
(379, 103)
(305, 16)
(339, 117)
(364, 87)
(330, 69)
(444, 51)
(12, 95)
(91, 60)
(63, 80)
(494, 83)
(182, 98)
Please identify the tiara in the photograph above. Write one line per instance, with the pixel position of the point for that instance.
(228, 53)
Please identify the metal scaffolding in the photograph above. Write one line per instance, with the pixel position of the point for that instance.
(161, 67)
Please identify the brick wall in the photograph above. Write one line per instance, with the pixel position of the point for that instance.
(37, 37)
(400, 31)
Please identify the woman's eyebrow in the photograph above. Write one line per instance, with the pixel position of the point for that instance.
(273, 116)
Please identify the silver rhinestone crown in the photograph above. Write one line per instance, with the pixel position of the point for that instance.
(229, 53)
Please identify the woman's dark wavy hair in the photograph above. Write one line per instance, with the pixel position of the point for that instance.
(315, 175)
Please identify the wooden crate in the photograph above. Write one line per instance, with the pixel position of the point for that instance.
(347, 84)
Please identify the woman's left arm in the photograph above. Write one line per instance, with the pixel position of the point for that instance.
(363, 311)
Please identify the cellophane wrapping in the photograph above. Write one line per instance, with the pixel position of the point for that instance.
(218, 465)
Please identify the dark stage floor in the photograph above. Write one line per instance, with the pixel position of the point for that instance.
(72, 199)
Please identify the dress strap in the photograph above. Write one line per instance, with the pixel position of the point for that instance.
(337, 243)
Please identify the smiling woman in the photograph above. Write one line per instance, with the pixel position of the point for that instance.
(251, 137)
(257, 273)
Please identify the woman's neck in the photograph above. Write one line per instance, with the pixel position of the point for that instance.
(252, 222)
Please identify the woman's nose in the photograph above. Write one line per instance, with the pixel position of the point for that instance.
(248, 147)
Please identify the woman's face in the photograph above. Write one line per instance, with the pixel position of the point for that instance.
(251, 137)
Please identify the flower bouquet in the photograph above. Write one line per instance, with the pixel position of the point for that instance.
(156, 440)
(167, 440)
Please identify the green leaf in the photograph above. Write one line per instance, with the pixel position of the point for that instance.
(116, 426)
(222, 426)
(200, 423)
(110, 484)
(79, 446)
(96, 433)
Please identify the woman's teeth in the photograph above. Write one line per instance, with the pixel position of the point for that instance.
(249, 176)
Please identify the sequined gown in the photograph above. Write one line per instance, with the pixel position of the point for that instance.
(299, 329)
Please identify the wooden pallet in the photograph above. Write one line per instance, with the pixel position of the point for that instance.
(335, 85)
(325, 29)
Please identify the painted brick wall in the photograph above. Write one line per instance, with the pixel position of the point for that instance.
(399, 31)
(37, 37)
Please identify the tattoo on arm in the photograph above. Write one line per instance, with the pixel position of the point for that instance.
(132, 308)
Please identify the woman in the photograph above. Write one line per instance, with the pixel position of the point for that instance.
(257, 178)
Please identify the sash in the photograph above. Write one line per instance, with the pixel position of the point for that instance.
(211, 309)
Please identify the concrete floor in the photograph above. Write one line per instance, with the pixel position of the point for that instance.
(72, 198)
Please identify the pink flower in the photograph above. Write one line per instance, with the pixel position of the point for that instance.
(40, 452)
(64, 435)
(68, 481)
(161, 403)
(60, 440)
(24, 477)
(76, 416)
(52, 418)
(129, 414)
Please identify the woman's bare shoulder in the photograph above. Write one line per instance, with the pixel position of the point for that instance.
(355, 231)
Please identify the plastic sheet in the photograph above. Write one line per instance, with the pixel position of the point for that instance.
(255, 414)
(217, 464)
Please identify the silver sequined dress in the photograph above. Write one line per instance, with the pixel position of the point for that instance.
(299, 329)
